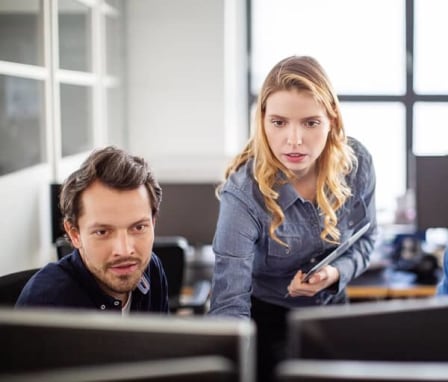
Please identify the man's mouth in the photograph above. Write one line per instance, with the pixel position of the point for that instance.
(124, 268)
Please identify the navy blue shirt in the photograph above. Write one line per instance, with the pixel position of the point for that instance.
(69, 284)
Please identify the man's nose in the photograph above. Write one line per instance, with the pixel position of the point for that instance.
(123, 244)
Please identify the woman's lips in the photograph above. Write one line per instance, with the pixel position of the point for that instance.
(295, 157)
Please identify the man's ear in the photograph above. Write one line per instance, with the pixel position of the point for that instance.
(73, 234)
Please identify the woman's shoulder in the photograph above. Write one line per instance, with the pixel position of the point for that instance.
(358, 148)
(242, 179)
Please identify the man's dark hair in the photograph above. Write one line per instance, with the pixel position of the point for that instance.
(114, 168)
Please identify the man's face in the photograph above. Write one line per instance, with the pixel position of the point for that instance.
(115, 236)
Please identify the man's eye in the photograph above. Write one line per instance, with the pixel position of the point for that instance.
(140, 227)
(100, 232)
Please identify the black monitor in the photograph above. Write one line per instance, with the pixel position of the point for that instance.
(40, 340)
(360, 371)
(57, 228)
(395, 330)
(185, 369)
(189, 210)
(431, 190)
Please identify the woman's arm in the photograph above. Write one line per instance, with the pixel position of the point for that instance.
(233, 246)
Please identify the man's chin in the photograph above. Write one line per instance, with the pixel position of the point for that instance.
(123, 283)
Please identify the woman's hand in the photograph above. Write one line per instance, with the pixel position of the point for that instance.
(319, 281)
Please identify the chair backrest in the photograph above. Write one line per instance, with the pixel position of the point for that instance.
(63, 247)
(12, 284)
(172, 252)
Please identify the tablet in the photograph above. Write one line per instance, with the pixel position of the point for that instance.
(337, 252)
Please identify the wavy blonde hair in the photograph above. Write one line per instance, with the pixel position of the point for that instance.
(303, 74)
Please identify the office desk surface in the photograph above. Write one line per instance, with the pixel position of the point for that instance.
(387, 284)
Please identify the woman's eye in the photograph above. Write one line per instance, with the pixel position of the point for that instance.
(312, 123)
(277, 123)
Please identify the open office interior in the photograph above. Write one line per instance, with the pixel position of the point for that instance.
(176, 82)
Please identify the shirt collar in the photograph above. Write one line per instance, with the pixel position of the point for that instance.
(287, 194)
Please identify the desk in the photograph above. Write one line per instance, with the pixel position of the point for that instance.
(388, 284)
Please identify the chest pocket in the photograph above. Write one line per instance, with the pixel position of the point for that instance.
(289, 235)
(353, 218)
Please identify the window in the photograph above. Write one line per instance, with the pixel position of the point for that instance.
(389, 77)
(61, 73)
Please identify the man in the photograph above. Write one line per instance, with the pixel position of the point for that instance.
(109, 206)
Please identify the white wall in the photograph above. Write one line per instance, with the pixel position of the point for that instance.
(187, 92)
(25, 220)
(24, 206)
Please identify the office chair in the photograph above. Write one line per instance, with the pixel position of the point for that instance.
(12, 284)
(172, 251)
(63, 247)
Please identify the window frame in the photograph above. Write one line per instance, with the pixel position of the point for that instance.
(408, 99)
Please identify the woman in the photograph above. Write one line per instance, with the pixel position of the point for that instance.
(298, 188)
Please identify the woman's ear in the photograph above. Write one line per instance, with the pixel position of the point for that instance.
(72, 233)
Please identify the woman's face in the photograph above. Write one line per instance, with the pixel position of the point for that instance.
(297, 128)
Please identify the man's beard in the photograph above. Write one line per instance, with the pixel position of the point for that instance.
(121, 283)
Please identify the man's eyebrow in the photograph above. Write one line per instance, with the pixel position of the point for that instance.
(106, 225)
(99, 225)
(143, 220)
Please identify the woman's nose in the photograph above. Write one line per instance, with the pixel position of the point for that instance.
(294, 137)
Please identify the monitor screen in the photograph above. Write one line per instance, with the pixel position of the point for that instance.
(396, 330)
(34, 340)
(431, 190)
(189, 210)
(57, 228)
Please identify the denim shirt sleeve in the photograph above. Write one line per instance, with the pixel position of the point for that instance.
(234, 253)
(442, 288)
(362, 181)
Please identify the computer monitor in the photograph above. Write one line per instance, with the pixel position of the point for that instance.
(189, 210)
(188, 369)
(57, 228)
(360, 371)
(431, 190)
(33, 340)
(395, 330)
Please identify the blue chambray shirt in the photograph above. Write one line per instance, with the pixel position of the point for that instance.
(249, 262)
(442, 288)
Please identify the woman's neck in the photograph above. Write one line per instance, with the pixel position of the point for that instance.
(306, 185)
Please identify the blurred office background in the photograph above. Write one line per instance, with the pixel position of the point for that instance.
(175, 81)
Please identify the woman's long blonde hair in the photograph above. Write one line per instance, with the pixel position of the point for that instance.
(303, 74)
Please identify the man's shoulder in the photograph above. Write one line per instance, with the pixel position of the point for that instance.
(49, 286)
